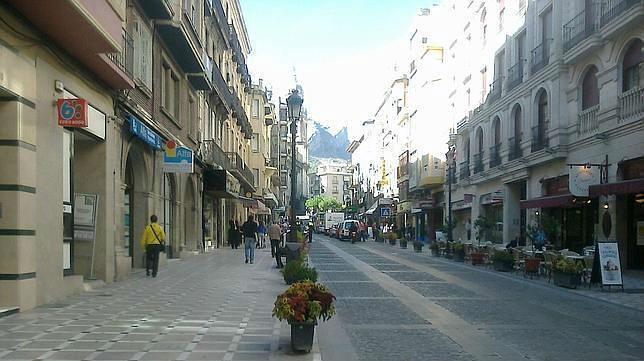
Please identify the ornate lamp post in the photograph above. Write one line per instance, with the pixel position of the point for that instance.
(294, 105)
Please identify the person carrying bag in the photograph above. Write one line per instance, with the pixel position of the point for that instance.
(152, 242)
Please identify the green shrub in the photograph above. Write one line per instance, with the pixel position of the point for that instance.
(298, 271)
(503, 258)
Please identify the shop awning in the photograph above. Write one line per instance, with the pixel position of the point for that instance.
(565, 200)
(623, 187)
(372, 209)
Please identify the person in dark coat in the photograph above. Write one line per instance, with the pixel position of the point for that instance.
(233, 235)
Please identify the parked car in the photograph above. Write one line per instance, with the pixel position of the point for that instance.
(345, 233)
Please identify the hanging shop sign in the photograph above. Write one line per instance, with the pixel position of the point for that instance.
(144, 133)
(72, 113)
(177, 159)
(581, 177)
(385, 212)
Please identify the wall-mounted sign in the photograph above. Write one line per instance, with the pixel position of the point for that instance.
(177, 159)
(72, 113)
(582, 177)
(385, 212)
(144, 133)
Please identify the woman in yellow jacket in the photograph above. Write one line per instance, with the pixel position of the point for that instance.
(152, 242)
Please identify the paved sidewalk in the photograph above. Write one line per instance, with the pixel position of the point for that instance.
(633, 296)
(209, 307)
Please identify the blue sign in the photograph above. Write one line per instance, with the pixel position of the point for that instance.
(144, 133)
(178, 159)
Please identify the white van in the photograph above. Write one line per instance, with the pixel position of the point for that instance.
(345, 229)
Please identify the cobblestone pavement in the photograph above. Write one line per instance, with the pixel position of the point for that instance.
(209, 307)
(394, 304)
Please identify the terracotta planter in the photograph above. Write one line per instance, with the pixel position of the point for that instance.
(477, 258)
(532, 265)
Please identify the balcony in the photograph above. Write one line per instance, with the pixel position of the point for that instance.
(495, 155)
(216, 9)
(631, 104)
(203, 80)
(617, 15)
(96, 32)
(496, 89)
(514, 151)
(478, 162)
(182, 41)
(157, 9)
(461, 124)
(242, 119)
(539, 138)
(515, 75)
(587, 120)
(580, 36)
(241, 171)
(238, 54)
(212, 154)
(464, 172)
(221, 89)
(124, 59)
(540, 56)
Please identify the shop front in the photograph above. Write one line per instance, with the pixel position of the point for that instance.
(462, 219)
(492, 212)
(622, 211)
(220, 187)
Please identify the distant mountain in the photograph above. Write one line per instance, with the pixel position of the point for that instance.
(323, 144)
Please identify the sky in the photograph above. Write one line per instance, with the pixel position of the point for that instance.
(342, 51)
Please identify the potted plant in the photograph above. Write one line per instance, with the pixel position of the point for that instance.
(302, 305)
(403, 242)
(477, 257)
(418, 246)
(391, 237)
(484, 228)
(532, 265)
(435, 249)
(502, 261)
(566, 272)
(458, 249)
(298, 271)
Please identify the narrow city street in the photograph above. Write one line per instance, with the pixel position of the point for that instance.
(392, 304)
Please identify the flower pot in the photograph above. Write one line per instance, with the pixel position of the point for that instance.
(532, 265)
(302, 336)
(392, 242)
(418, 247)
(502, 266)
(477, 258)
(403, 243)
(568, 280)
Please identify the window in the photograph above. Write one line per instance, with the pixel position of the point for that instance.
(254, 143)
(484, 34)
(483, 84)
(192, 117)
(468, 98)
(633, 66)
(142, 39)
(255, 108)
(256, 177)
(589, 89)
(424, 40)
(170, 91)
(517, 124)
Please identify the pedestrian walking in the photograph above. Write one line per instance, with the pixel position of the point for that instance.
(261, 232)
(275, 235)
(233, 234)
(311, 229)
(152, 242)
(249, 230)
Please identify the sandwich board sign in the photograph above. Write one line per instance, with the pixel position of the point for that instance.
(607, 265)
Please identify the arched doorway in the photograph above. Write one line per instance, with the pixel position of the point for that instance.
(168, 217)
(189, 233)
(135, 212)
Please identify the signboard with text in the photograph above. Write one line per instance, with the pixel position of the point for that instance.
(582, 177)
(144, 133)
(610, 266)
(85, 206)
(72, 113)
(177, 159)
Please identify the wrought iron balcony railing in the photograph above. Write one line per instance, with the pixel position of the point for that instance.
(124, 60)
(213, 154)
(611, 9)
(514, 150)
(464, 170)
(540, 56)
(515, 74)
(495, 155)
(478, 162)
(539, 138)
(495, 89)
(237, 164)
(580, 27)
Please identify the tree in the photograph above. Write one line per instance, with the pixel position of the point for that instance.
(321, 204)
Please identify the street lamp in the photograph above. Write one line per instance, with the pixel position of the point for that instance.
(294, 106)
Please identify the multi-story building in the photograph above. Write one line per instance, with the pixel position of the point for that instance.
(151, 99)
(335, 180)
(558, 137)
